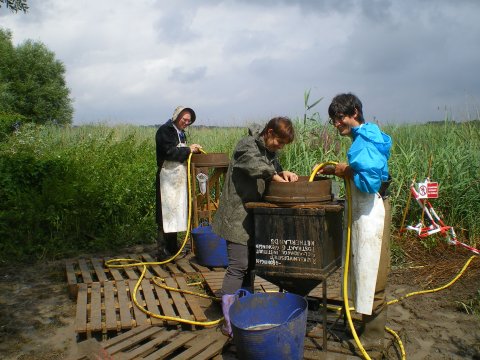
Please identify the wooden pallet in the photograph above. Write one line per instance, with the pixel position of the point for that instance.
(214, 280)
(91, 270)
(110, 308)
(152, 342)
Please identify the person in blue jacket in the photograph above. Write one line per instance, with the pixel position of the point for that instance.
(367, 171)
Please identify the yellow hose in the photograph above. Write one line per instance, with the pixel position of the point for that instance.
(399, 341)
(347, 261)
(126, 263)
(437, 289)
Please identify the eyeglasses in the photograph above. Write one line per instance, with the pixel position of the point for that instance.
(336, 120)
(187, 120)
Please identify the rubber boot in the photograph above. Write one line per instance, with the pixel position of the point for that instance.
(162, 252)
(373, 334)
(227, 301)
(167, 245)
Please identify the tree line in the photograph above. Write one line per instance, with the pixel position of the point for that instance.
(32, 85)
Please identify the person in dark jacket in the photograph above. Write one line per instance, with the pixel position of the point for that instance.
(254, 163)
(171, 192)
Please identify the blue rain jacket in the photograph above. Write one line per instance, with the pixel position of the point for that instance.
(368, 157)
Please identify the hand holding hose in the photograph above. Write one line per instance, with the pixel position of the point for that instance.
(341, 170)
(195, 148)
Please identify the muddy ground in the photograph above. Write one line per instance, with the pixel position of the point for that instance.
(37, 316)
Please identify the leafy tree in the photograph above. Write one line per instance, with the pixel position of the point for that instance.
(7, 53)
(15, 5)
(33, 82)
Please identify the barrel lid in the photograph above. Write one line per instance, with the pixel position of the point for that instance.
(300, 192)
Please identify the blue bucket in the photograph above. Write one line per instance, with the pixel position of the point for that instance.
(210, 249)
(269, 326)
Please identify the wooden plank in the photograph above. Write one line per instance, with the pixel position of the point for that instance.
(199, 267)
(213, 349)
(198, 345)
(110, 313)
(191, 300)
(214, 281)
(131, 273)
(165, 304)
(172, 267)
(81, 311)
(262, 285)
(136, 271)
(124, 305)
(85, 271)
(150, 346)
(140, 316)
(99, 269)
(114, 272)
(178, 300)
(71, 279)
(133, 340)
(177, 343)
(95, 307)
(185, 266)
(126, 335)
(150, 301)
(157, 269)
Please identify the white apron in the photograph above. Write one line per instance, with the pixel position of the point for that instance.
(173, 190)
(368, 218)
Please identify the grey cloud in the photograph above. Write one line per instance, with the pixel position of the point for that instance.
(180, 74)
(407, 60)
(245, 41)
(174, 26)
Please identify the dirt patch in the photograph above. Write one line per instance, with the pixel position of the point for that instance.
(436, 325)
(37, 316)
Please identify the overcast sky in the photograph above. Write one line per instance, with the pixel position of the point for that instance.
(240, 61)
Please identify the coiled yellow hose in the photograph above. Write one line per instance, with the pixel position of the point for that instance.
(126, 263)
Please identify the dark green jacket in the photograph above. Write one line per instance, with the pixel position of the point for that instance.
(252, 165)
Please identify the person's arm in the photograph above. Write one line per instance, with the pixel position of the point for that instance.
(367, 165)
(166, 141)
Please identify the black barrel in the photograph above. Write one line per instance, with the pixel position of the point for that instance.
(297, 248)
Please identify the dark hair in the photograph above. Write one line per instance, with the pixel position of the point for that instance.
(345, 104)
(282, 128)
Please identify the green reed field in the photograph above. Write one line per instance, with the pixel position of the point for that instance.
(91, 188)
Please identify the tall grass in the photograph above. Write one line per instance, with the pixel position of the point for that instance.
(65, 190)
(454, 151)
